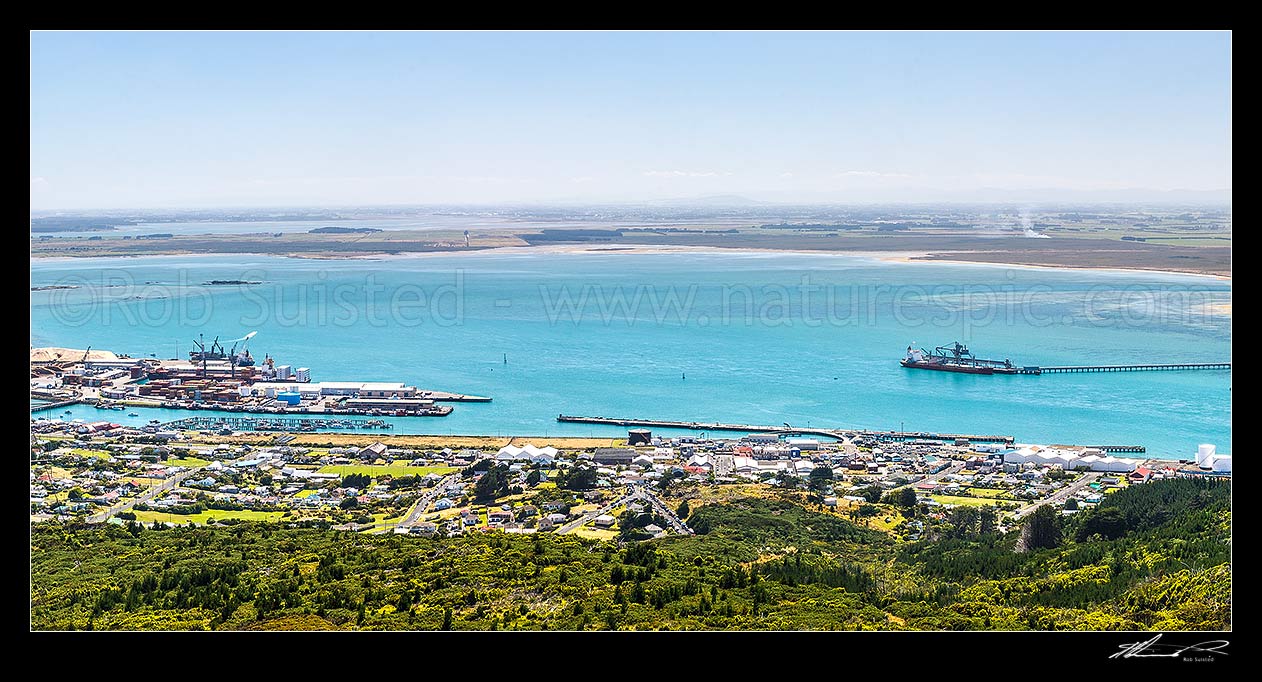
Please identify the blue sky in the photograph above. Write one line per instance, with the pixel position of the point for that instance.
(133, 120)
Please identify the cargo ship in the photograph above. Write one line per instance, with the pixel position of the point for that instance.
(955, 358)
(200, 354)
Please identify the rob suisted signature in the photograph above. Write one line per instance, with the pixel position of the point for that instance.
(1152, 649)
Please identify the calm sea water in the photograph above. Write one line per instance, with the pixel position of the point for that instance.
(423, 222)
(753, 338)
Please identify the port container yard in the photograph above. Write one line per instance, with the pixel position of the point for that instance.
(217, 380)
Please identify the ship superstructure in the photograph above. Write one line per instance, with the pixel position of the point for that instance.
(955, 358)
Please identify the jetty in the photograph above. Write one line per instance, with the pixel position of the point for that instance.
(270, 424)
(1178, 366)
(841, 434)
(958, 358)
(445, 397)
(54, 405)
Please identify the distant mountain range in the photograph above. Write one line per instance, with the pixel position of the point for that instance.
(1004, 195)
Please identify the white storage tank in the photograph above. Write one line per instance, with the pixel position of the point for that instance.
(1222, 464)
(1205, 455)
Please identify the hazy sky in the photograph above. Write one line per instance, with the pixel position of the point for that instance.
(240, 119)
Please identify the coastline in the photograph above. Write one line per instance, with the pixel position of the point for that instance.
(906, 257)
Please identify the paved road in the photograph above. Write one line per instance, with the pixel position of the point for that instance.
(1058, 498)
(149, 494)
(626, 499)
(954, 468)
(430, 497)
(641, 494)
(676, 523)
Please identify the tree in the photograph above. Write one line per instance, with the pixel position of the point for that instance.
(871, 493)
(349, 503)
(683, 510)
(987, 520)
(492, 484)
(75, 494)
(1042, 529)
(1108, 522)
(1071, 504)
(964, 522)
(820, 478)
(447, 618)
(578, 478)
(906, 497)
(532, 478)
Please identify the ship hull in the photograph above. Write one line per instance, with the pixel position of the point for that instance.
(943, 367)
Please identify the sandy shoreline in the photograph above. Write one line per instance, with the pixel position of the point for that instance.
(905, 257)
(913, 257)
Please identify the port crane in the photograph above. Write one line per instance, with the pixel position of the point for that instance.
(243, 358)
(201, 351)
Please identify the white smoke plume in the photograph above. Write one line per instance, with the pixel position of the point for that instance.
(1028, 224)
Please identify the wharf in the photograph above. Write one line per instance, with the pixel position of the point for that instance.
(444, 397)
(1119, 448)
(1124, 368)
(54, 405)
(699, 426)
(270, 424)
(920, 435)
(842, 434)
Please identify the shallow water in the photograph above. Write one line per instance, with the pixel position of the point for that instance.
(744, 337)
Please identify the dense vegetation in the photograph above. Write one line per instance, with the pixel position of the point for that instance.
(761, 564)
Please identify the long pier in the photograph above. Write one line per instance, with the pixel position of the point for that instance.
(952, 437)
(842, 434)
(1119, 448)
(700, 426)
(270, 423)
(54, 405)
(1124, 368)
(445, 397)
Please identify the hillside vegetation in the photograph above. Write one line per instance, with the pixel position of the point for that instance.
(1153, 556)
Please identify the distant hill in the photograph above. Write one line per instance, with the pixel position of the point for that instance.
(717, 200)
(69, 224)
(343, 230)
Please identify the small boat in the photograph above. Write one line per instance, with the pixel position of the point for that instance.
(132, 414)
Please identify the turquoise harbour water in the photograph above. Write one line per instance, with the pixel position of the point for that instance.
(743, 337)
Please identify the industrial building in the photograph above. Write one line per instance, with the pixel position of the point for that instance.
(1208, 459)
(613, 455)
(1069, 459)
